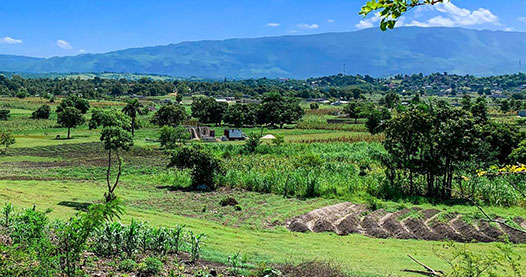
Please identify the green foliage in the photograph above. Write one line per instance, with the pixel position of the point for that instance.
(69, 117)
(170, 115)
(7, 211)
(252, 142)
(314, 106)
(6, 140)
(208, 110)
(203, 164)
(236, 263)
(465, 262)
(170, 137)
(73, 101)
(240, 115)
(279, 140)
(109, 118)
(518, 155)
(115, 138)
(151, 266)
(5, 114)
(195, 245)
(42, 112)
(391, 10)
(127, 265)
(376, 119)
(132, 109)
(278, 110)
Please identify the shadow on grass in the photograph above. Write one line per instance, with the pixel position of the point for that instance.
(78, 206)
(185, 189)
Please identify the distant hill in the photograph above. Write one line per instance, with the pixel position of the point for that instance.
(400, 51)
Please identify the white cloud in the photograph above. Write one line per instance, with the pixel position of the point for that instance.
(369, 22)
(272, 24)
(330, 20)
(64, 44)
(522, 19)
(10, 40)
(454, 16)
(307, 26)
(82, 51)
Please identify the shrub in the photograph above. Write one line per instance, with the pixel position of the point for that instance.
(127, 265)
(42, 112)
(5, 114)
(204, 165)
(252, 143)
(151, 266)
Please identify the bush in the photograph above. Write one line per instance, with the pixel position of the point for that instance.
(204, 165)
(42, 112)
(151, 266)
(128, 265)
(5, 114)
(252, 143)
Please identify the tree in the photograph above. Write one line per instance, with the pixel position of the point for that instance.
(6, 140)
(376, 119)
(132, 108)
(70, 117)
(501, 138)
(43, 112)
(179, 98)
(172, 136)
(5, 114)
(236, 115)
(314, 106)
(114, 140)
(505, 106)
(466, 102)
(518, 155)
(392, 100)
(479, 110)
(353, 110)
(391, 10)
(109, 118)
(73, 101)
(204, 165)
(170, 115)
(278, 110)
(208, 110)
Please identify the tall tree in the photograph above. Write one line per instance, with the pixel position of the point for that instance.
(70, 117)
(114, 140)
(132, 109)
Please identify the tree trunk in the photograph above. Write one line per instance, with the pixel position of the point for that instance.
(69, 131)
(133, 127)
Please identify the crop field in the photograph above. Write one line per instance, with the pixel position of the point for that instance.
(318, 165)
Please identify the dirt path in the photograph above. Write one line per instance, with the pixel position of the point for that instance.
(415, 223)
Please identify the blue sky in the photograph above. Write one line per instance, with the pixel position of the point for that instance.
(72, 27)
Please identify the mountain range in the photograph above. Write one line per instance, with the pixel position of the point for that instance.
(404, 50)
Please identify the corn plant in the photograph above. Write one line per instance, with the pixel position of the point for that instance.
(236, 263)
(177, 238)
(7, 210)
(195, 241)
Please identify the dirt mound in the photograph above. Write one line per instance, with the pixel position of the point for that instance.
(415, 223)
